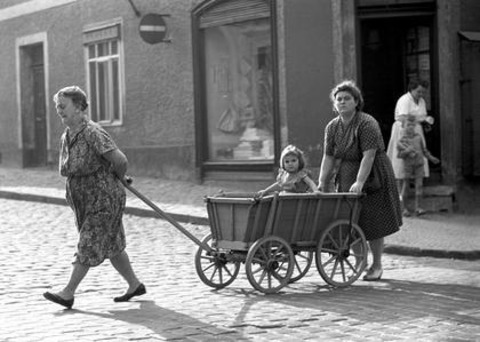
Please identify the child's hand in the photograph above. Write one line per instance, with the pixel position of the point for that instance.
(260, 194)
(434, 160)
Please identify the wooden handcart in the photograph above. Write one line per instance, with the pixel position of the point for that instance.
(277, 237)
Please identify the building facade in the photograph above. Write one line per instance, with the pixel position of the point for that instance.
(199, 90)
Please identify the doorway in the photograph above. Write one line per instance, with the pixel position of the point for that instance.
(33, 109)
(394, 50)
(470, 88)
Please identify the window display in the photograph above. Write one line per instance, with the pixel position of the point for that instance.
(238, 91)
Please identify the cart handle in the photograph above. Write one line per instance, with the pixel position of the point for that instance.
(127, 181)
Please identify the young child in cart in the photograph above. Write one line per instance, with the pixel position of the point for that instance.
(411, 148)
(292, 175)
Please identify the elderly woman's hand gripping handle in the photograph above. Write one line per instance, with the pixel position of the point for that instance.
(119, 163)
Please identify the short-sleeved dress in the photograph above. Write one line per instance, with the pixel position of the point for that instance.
(381, 213)
(406, 105)
(95, 195)
(293, 182)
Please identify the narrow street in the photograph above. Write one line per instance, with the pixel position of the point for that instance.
(423, 299)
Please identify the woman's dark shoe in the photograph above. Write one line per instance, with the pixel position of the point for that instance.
(68, 303)
(373, 275)
(140, 290)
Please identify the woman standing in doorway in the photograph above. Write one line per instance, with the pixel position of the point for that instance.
(410, 103)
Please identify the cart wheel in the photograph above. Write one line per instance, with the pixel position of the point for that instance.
(214, 268)
(269, 264)
(341, 253)
(303, 261)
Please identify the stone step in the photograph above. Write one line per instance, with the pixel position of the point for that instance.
(439, 198)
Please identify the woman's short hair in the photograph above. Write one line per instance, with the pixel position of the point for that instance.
(350, 87)
(76, 94)
(415, 82)
(291, 149)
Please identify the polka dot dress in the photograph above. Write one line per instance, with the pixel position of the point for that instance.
(381, 214)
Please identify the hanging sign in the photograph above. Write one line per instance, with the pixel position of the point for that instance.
(153, 28)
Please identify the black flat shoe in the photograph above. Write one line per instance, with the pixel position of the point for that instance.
(140, 290)
(68, 303)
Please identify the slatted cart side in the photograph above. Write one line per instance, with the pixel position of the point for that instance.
(301, 218)
(237, 220)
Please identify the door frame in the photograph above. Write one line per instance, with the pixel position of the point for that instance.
(469, 69)
(399, 90)
(21, 43)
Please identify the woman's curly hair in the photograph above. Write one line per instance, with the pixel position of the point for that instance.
(76, 94)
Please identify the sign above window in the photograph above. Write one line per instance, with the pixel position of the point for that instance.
(103, 33)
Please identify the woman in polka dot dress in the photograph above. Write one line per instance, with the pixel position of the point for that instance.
(353, 147)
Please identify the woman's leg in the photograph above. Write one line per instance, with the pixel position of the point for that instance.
(79, 272)
(400, 187)
(121, 263)
(376, 246)
(375, 271)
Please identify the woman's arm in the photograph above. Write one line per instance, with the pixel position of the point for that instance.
(311, 184)
(328, 163)
(364, 170)
(119, 162)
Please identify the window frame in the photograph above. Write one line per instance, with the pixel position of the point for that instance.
(109, 59)
(204, 165)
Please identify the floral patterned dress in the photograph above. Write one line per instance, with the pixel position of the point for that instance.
(95, 195)
(381, 212)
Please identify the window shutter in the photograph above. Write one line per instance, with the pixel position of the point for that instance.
(229, 12)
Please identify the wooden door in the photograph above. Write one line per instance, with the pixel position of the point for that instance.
(34, 127)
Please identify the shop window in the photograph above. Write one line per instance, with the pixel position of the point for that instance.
(102, 50)
(237, 80)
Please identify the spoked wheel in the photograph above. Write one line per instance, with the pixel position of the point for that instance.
(303, 261)
(269, 264)
(213, 268)
(341, 253)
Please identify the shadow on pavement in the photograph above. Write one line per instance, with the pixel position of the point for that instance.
(161, 321)
(386, 302)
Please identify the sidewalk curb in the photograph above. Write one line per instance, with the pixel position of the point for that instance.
(150, 213)
(197, 220)
(434, 253)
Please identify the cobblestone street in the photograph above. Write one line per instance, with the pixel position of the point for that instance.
(421, 299)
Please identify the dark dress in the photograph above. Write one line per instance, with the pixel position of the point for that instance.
(95, 195)
(381, 212)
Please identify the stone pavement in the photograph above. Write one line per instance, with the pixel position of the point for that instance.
(418, 298)
(439, 234)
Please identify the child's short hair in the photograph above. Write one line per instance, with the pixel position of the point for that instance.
(291, 149)
(410, 118)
